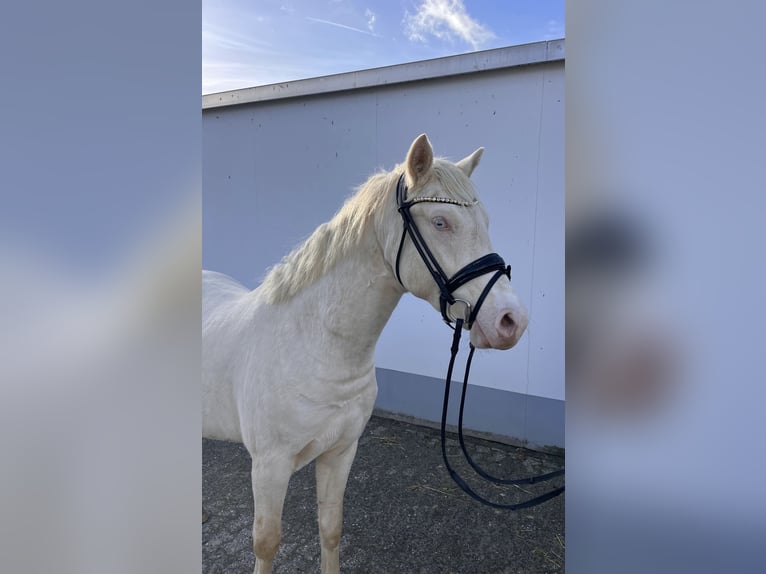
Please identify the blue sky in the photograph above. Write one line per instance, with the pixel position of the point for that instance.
(255, 42)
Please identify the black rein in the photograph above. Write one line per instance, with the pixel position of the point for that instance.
(489, 263)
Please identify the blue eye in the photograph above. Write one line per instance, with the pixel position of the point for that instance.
(440, 223)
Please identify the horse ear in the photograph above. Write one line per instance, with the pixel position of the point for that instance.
(468, 164)
(419, 158)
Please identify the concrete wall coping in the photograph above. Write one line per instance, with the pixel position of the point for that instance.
(482, 61)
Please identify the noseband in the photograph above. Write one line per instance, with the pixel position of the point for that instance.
(489, 263)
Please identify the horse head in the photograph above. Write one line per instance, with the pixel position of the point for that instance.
(444, 254)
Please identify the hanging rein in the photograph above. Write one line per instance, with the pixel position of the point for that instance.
(447, 286)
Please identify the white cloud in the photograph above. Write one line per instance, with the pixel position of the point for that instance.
(445, 19)
(370, 15)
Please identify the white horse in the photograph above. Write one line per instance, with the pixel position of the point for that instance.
(288, 367)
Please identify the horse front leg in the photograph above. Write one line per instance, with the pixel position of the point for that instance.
(332, 470)
(270, 479)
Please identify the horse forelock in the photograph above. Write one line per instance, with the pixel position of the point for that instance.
(332, 240)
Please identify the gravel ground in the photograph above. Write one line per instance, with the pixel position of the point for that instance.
(403, 513)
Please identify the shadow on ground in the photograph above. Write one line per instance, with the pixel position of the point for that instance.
(403, 513)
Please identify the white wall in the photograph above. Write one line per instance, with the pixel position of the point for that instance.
(275, 169)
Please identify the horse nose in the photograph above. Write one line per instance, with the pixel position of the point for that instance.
(511, 325)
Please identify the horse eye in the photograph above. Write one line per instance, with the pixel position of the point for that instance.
(440, 223)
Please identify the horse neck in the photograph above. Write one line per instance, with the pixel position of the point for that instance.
(352, 304)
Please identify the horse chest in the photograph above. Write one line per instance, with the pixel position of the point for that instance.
(332, 426)
(305, 412)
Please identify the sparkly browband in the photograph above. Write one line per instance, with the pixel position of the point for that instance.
(443, 200)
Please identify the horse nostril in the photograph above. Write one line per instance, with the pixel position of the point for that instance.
(507, 325)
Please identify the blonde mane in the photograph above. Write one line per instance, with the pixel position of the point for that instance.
(332, 240)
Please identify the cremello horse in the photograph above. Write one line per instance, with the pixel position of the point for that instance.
(288, 368)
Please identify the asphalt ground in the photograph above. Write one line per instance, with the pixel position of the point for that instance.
(402, 512)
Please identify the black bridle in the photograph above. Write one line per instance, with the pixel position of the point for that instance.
(447, 285)
(489, 263)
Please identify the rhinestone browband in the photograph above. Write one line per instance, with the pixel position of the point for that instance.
(443, 200)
